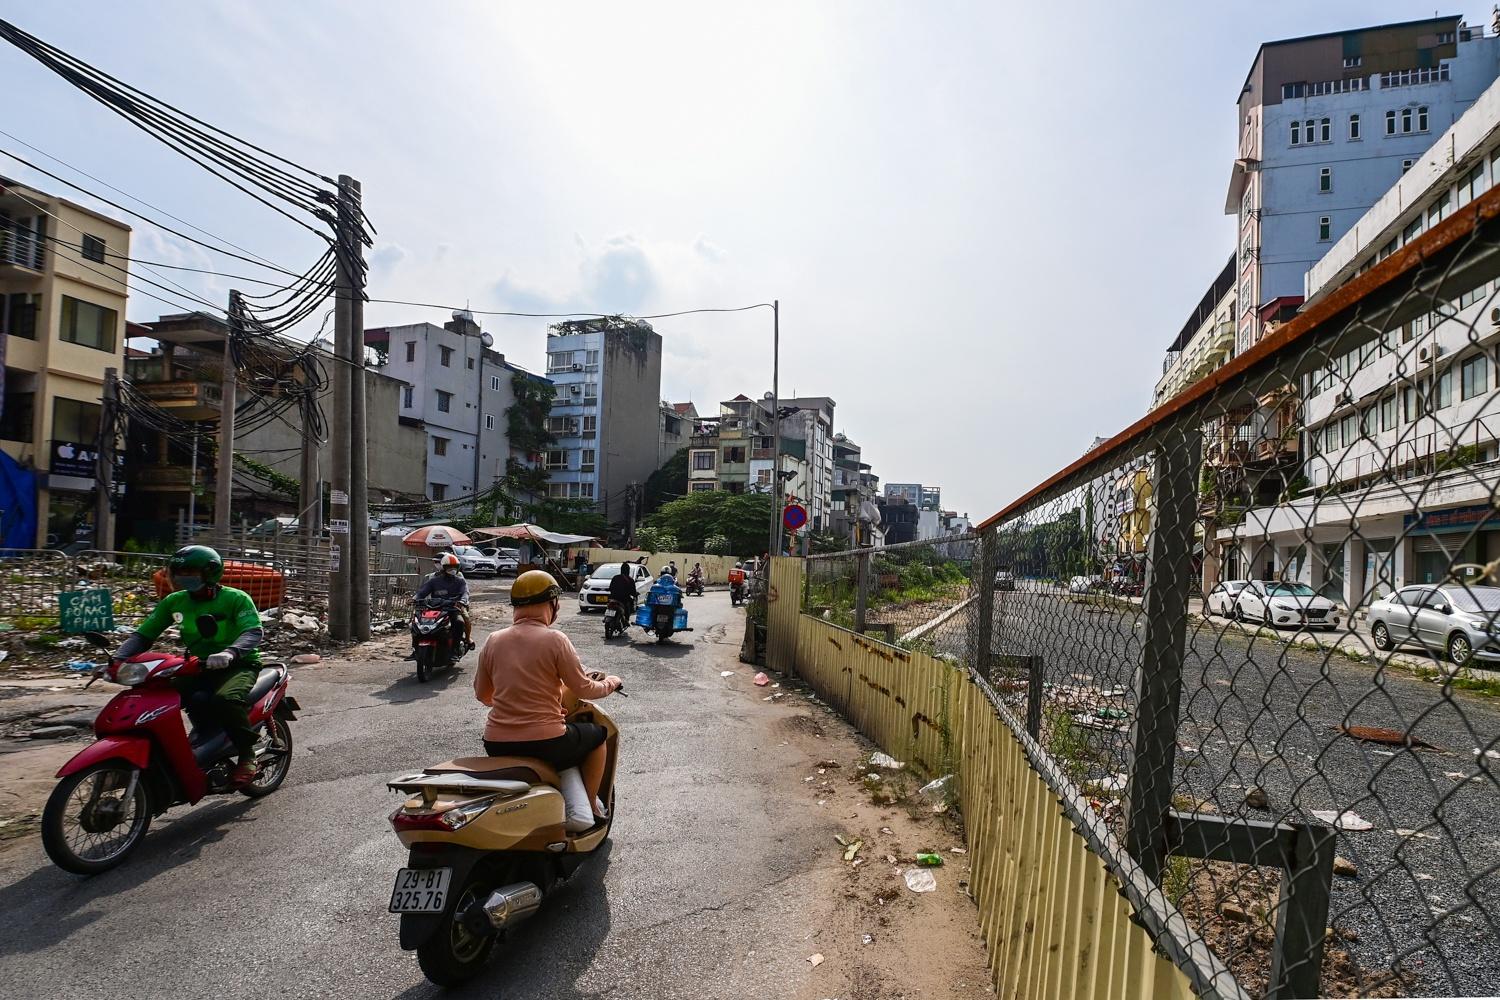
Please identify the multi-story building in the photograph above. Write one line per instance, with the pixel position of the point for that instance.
(677, 423)
(458, 389)
(849, 486)
(1206, 340)
(62, 316)
(743, 436)
(932, 498)
(703, 456)
(910, 492)
(182, 373)
(1326, 124)
(607, 412)
(811, 421)
(1414, 409)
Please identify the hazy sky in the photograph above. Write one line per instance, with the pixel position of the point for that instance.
(984, 221)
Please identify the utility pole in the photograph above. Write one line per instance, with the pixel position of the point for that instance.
(228, 387)
(775, 427)
(339, 440)
(352, 261)
(104, 521)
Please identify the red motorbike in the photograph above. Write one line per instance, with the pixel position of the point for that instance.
(145, 761)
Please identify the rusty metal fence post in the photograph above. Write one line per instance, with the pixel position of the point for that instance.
(861, 590)
(1158, 679)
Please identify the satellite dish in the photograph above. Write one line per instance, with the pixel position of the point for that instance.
(868, 512)
(487, 339)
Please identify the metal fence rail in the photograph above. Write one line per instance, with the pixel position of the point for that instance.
(1256, 633)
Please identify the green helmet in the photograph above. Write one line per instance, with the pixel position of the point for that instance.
(193, 567)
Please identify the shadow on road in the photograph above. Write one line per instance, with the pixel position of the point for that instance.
(545, 956)
(669, 650)
(53, 905)
(407, 688)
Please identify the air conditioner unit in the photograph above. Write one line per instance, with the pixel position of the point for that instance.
(577, 368)
(1344, 397)
(1430, 353)
(576, 389)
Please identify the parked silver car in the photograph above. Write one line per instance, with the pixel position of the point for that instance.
(1277, 603)
(1461, 622)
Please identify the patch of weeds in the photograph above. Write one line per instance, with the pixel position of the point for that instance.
(1068, 743)
(1177, 878)
(1463, 680)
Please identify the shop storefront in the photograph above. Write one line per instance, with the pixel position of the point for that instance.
(1452, 544)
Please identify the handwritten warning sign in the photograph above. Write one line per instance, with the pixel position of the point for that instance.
(86, 610)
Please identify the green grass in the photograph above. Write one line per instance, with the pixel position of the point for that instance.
(1177, 879)
(1462, 681)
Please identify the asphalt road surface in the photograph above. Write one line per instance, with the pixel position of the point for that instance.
(287, 896)
(1258, 711)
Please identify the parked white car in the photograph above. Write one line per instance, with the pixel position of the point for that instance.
(1462, 622)
(594, 594)
(1085, 584)
(1223, 600)
(509, 560)
(1279, 604)
(475, 563)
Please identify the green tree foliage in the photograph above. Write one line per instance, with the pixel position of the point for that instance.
(1056, 549)
(744, 519)
(280, 484)
(656, 539)
(716, 545)
(666, 483)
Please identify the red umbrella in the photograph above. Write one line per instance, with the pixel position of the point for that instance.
(436, 536)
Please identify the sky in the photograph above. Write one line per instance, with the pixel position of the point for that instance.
(984, 222)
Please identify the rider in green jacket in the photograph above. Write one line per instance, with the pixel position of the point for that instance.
(221, 627)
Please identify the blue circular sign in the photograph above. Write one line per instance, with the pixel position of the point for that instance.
(794, 516)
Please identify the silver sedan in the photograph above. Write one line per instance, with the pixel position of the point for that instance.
(1461, 622)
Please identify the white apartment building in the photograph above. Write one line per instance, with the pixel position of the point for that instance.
(1327, 123)
(813, 424)
(606, 415)
(1424, 396)
(1206, 341)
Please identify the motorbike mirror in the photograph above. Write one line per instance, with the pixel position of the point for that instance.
(97, 638)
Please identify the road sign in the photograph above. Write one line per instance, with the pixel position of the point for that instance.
(338, 525)
(89, 610)
(794, 516)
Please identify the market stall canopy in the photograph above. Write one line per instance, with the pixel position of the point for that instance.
(535, 534)
(436, 536)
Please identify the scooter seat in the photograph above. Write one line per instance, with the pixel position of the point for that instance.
(530, 769)
(268, 678)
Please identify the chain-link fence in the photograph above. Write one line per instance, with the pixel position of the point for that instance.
(1256, 632)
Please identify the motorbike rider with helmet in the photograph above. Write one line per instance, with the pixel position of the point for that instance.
(622, 589)
(446, 583)
(522, 671)
(221, 627)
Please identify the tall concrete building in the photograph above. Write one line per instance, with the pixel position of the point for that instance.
(607, 413)
(62, 323)
(458, 389)
(812, 422)
(1326, 124)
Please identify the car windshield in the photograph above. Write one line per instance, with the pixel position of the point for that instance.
(1291, 590)
(605, 572)
(467, 550)
(1476, 599)
(1235, 586)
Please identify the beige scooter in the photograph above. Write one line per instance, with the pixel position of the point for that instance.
(487, 844)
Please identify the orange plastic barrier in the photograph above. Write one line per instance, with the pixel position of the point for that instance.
(265, 585)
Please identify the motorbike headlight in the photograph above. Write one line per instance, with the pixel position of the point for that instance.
(131, 674)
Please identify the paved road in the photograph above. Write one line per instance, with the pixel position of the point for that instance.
(1257, 710)
(286, 896)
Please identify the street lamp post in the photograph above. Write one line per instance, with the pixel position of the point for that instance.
(775, 427)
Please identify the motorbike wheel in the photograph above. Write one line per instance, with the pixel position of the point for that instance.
(663, 633)
(424, 663)
(72, 808)
(272, 774)
(454, 954)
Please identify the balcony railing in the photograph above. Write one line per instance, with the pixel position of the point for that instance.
(20, 247)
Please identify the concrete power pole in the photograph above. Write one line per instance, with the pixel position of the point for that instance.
(338, 487)
(359, 493)
(228, 389)
(104, 520)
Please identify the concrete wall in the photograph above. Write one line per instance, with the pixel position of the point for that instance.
(715, 568)
(629, 411)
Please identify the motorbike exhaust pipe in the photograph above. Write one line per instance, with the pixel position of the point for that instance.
(511, 904)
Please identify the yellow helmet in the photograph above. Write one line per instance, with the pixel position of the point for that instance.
(534, 586)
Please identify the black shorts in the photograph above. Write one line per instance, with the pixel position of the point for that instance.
(562, 752)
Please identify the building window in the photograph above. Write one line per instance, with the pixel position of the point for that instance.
(1406, 165)
(1331, 437)
(407, 394)
(439, 491)
(590, 393)
(439, 446)
(411, 351)
(557, 459)
(1474, 376)
(1296, 133)
(489, 421)
(445, 356)
(590, 361)
(558, 491)
(590, 426)
(701, 487)
(559, 361)
(469, 363)
(1438, 210)
(1309, 130)
(586, 491)
(74, 420)
(586, 460)
(494, 383)
(1325, 229)
(1351, 62)
(1411, 404)
(87, 325)
(92, 248)
(1354, 128)
(18, 312)
(1422, 119)
(445, 401)
(1325, 179)
(1325, 130)
(1390, 123)
(1442, 390)
(1350, 429)
(703, 461)
(1472, 186)
(18, 419)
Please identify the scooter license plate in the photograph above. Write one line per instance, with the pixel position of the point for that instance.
(610, 613)
(420, 890)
